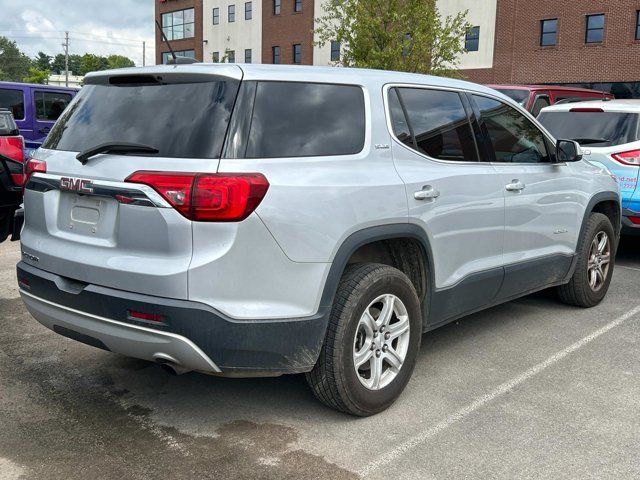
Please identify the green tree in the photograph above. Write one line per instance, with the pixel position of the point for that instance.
(119, 61)
(405, 35)
(14, 64)
(91, 63)
(37, 76)
(57, 64)
(42, 61)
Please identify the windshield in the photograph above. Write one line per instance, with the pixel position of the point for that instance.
(182, 120)
(596, 129)
(520, 96)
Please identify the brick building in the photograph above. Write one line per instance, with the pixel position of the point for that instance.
(593, 43)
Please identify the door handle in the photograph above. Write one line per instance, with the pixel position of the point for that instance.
(427, 193)
(515, 186)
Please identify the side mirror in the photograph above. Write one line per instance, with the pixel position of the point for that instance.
(568, 151)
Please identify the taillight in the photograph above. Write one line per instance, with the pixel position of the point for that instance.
(229, 197)
(628, 158)
(634, 220)
(148, 317)
(34, 166)
(13, 148)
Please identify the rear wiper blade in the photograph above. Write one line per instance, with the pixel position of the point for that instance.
(115, 147)
(586, 141)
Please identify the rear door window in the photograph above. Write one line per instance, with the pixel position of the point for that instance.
(306, 119)
(592, 128)
(437, 124)
(181, 120)
(514, 138)
(50, 105)
(13, 100)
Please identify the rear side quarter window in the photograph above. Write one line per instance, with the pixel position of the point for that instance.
(306, 119)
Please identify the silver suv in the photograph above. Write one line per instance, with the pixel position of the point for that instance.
(248, 220)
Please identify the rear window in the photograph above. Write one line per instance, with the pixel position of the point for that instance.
(7, 125)
(13, 100)
(306, 119)
(182, 120)
(596, 129)
(520, 96)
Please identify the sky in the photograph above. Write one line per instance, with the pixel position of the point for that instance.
(101, 27)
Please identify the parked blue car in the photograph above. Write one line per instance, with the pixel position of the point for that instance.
(609, 133)
(35, 108)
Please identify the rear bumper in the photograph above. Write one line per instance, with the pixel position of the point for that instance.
(191, 334)
(628, 227)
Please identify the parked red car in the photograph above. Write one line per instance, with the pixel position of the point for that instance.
(535, 97)
(11, 171)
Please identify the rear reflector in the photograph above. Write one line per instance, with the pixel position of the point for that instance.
(149, 317)
(587, 110)
(204, 197)
(634, 220)
(628, 158)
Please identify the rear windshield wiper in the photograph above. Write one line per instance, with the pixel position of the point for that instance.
(114, 147)
(587, 141)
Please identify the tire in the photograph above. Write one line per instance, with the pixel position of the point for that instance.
(580, 290)
(335, 381)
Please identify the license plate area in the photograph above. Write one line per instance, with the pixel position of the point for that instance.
(87, 216)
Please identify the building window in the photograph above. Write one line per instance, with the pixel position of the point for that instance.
(215, 56)
(276, 54)
(595, 29)
(297, 53)
(335, 51)
(179, 53)
(231, 56)
(216, 16)
(248, 10)
(276, 7)
(472, 40)
(638, 25)
(549, 32)
(247, 55)
(297, 5)
(178, 25)
(232, 13)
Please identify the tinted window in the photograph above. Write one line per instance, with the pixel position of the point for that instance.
(14, 101)
(513, 136)
(541, 102)
(398, 119)
(186, 120)
(306, 119)
(520, 96)
(49, 105)
(439, 124)
(596, 129)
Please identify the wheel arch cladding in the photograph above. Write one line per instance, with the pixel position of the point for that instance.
(422, 277)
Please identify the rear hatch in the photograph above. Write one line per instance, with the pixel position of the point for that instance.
(607, 137)
(83, 221)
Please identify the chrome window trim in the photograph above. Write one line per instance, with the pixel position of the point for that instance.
(388, 86)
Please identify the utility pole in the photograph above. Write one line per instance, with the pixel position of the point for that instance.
(144, 47)
(66, 58)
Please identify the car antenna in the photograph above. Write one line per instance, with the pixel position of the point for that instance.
(166, 40)
(175, 60)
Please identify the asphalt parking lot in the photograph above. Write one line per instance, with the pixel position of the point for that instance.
(530, 389)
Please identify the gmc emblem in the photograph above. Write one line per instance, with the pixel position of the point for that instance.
(80, 185)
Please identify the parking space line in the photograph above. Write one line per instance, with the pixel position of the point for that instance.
(506, 387)
(628, 268)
